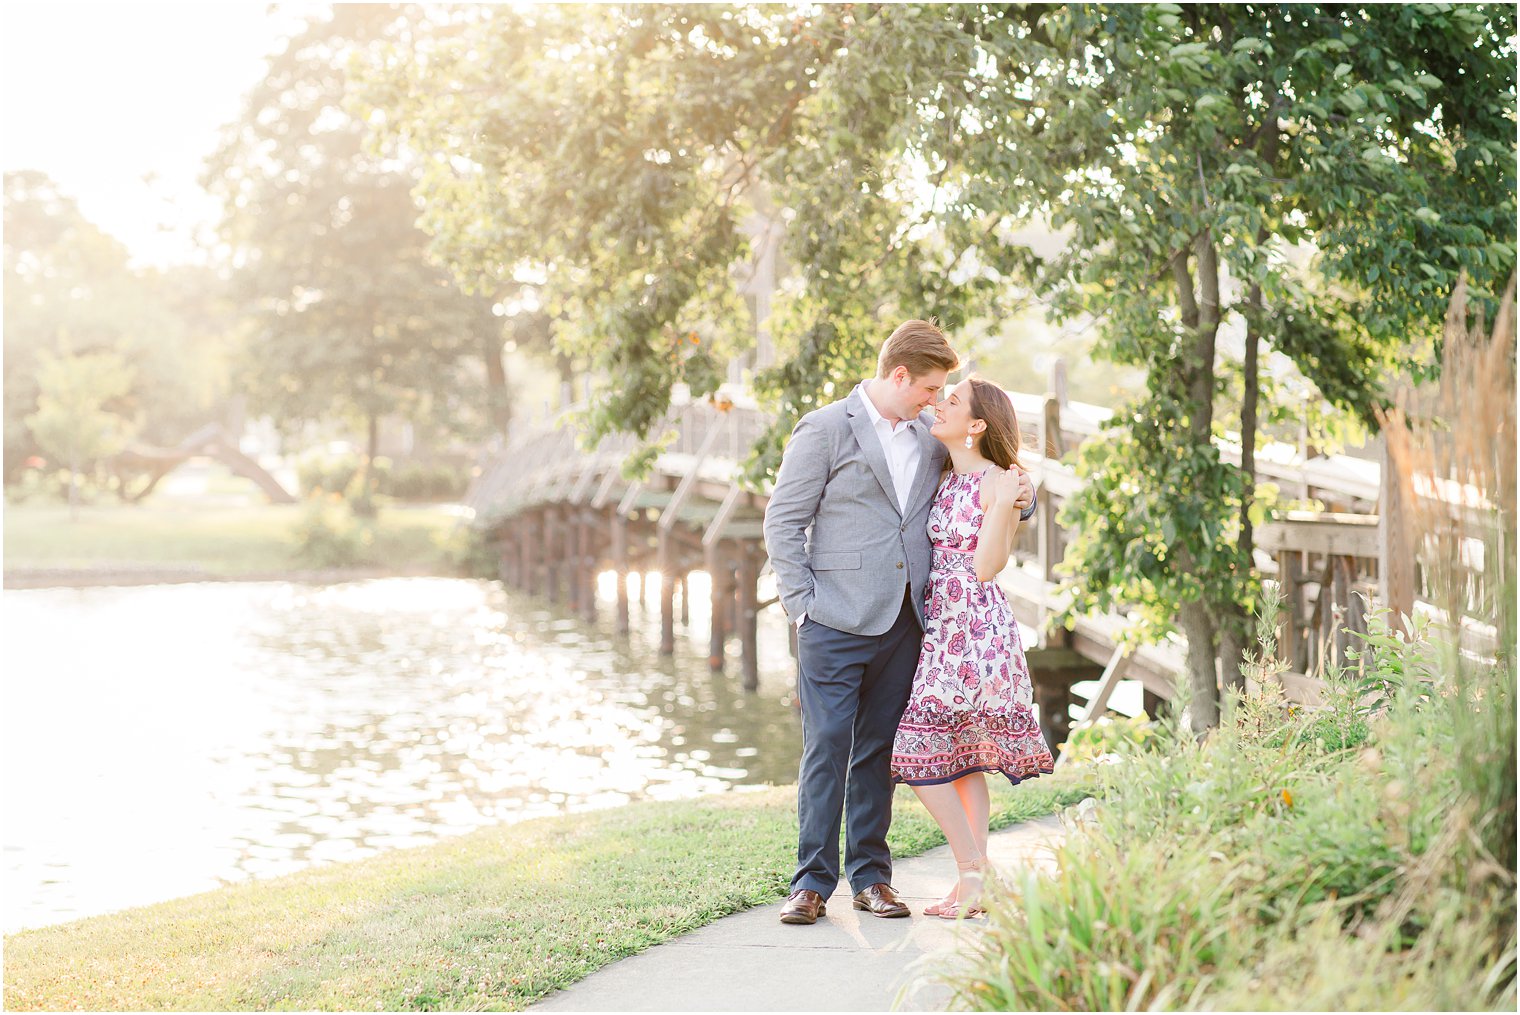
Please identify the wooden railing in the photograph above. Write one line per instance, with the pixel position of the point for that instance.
(1329, 564)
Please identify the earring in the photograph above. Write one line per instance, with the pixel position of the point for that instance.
(968, 442)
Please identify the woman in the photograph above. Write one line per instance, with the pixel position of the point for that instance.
(969, 710)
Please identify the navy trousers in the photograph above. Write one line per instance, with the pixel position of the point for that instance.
(853, 690)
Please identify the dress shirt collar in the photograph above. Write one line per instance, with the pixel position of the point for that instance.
(873, 412)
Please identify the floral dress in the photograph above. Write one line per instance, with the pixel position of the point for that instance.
(969, 710)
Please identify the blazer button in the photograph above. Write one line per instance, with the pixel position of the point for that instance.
(899, 565)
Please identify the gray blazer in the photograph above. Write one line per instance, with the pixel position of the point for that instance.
(841, 549)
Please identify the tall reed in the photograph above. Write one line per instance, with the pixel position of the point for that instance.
(1454, 447)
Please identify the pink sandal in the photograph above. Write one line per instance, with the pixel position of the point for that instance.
(953, 911)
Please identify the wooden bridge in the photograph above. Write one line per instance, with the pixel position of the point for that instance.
(558, 516)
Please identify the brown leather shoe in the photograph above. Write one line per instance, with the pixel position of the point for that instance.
(881, 900)
(803, 906)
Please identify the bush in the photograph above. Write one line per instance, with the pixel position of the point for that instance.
(327, 534)
(1295, 832)
(416, 481)
(1109, 736)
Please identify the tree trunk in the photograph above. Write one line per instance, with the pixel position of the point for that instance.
(1234, 640)
(498, 407)
(1203, 684)
(73, 488)
(364, 503)
(1235, 634)
(1197, 617)
(1234, 625)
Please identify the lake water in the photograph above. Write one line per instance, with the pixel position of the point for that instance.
(164, 740)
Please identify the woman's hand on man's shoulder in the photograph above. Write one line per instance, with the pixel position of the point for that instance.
(1012, 486)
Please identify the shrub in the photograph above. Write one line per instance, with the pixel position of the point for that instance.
(1285, 829)
(416, 481)
(326, 474)
(327, 534)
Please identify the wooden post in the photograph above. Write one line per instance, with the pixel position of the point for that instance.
(666, 560)
(590, 552)
(685, 598)
(554, 553)
(749, 611)
(532, 539)
(1291, 587)
(1054, 446)
(506, 554)
(1058, 379)
(717, 570)
(571, 533)
(1048, 535)
(1054, 699)
(620, 561)
(1395, 541)
(1343, 569)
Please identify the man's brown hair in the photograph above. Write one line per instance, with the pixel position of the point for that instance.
(919, 346)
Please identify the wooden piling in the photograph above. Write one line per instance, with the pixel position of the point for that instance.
(1290, 586)
(531, 542)
(749, 642)
(590, 554)
(1396, 541)
(722, 593)
(620, 562)
(665, 551)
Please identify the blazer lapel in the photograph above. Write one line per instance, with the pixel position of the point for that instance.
(927, 480)
(870, 446)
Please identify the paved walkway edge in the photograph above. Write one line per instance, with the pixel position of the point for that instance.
(848, 961)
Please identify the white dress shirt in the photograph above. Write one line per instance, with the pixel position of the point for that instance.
(900, 444)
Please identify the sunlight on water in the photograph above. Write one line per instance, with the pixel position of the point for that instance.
(167, 739)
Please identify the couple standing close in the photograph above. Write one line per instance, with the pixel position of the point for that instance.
(886, 528)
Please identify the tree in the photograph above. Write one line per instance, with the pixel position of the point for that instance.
(73, 421)
(70, 291)
(1187, 150)
(350, 319)
(1185, 154)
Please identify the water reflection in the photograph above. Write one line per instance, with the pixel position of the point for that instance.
(166, 739)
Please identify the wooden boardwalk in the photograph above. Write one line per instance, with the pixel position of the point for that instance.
(557, 516)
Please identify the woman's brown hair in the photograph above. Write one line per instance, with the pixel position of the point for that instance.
(991, 405)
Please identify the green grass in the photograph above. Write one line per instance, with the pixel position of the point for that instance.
(492, 920)
(223, 541)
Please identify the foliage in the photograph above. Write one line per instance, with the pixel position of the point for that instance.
(1389, 661)
(1356, 856)
(1107, 738)
(1310, 180)
(329, 535)
(1209, 861)
(70, 291)
(322, 474)
(350, 321)
(406, 481)
(74, 421)
(419, 481)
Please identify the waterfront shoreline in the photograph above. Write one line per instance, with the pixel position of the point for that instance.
(497, 918)
(102, 577)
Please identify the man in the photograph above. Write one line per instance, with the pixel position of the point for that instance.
(846, 530)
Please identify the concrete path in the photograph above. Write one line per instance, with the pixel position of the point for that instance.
(847, 961)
